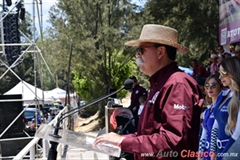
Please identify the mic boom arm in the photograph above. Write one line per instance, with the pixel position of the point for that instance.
(52, 155)
(127, 85)
(75, 110)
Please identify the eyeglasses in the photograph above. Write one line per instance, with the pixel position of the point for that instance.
(208, 85)
(141, 49)
(223, 73)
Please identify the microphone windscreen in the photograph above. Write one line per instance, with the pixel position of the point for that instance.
(128, 84)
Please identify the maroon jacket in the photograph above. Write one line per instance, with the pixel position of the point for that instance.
(200, 71)
(137, 92)
(170, 119)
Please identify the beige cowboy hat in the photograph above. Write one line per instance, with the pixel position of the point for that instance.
(237, 48)
(159, 34)
(214, 56)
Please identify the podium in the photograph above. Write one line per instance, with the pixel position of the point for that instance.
(77, 139)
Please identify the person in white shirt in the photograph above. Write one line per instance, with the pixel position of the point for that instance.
(46, 118)
(50, 115)
(142, 101)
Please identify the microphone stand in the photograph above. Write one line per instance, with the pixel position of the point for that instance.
(52, 154)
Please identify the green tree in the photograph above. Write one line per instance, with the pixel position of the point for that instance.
(197, 22)
(98, 30)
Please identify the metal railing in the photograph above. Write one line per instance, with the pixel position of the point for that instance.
(30, 147)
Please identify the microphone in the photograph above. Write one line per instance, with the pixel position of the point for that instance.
(52, 154)
(128, 84)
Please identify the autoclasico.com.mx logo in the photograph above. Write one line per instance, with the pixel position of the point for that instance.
(187, 154)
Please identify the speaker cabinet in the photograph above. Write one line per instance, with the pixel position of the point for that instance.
(10, 107)
(12, 147)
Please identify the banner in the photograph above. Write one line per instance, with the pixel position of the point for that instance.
(229, 21)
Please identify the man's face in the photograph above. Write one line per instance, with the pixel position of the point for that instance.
(210, 60)
(220, 50)
(212, 52)
(231, 48)
(194, 64)
(227, 55)
(215, 59)
(147, 58)
(237, 53)
(134, 83)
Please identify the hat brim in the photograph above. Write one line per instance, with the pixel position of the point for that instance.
(180, 48)
(214, 57)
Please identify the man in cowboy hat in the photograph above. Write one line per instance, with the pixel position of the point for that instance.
(169, 123)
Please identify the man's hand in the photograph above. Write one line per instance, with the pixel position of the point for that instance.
(111, 137)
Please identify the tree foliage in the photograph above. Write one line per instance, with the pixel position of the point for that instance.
(98, 30)
(196, 22)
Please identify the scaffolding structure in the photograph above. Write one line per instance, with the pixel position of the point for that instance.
(12, 53)
(30, 44)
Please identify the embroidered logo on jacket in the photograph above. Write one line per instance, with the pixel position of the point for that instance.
(137, 92)
(224, 109)
(177, 106)
(155, 97)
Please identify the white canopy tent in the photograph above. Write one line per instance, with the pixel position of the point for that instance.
(29, 95)
(58, 94)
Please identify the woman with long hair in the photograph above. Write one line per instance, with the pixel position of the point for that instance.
(213, 87)
(226, 127)
(233, 124)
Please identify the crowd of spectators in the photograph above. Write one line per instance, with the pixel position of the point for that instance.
(200, 72)
(221, 118)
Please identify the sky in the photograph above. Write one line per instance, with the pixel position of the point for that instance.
(28, 5)
(46, 5)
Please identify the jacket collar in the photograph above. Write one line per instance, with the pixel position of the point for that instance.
(162, 75)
